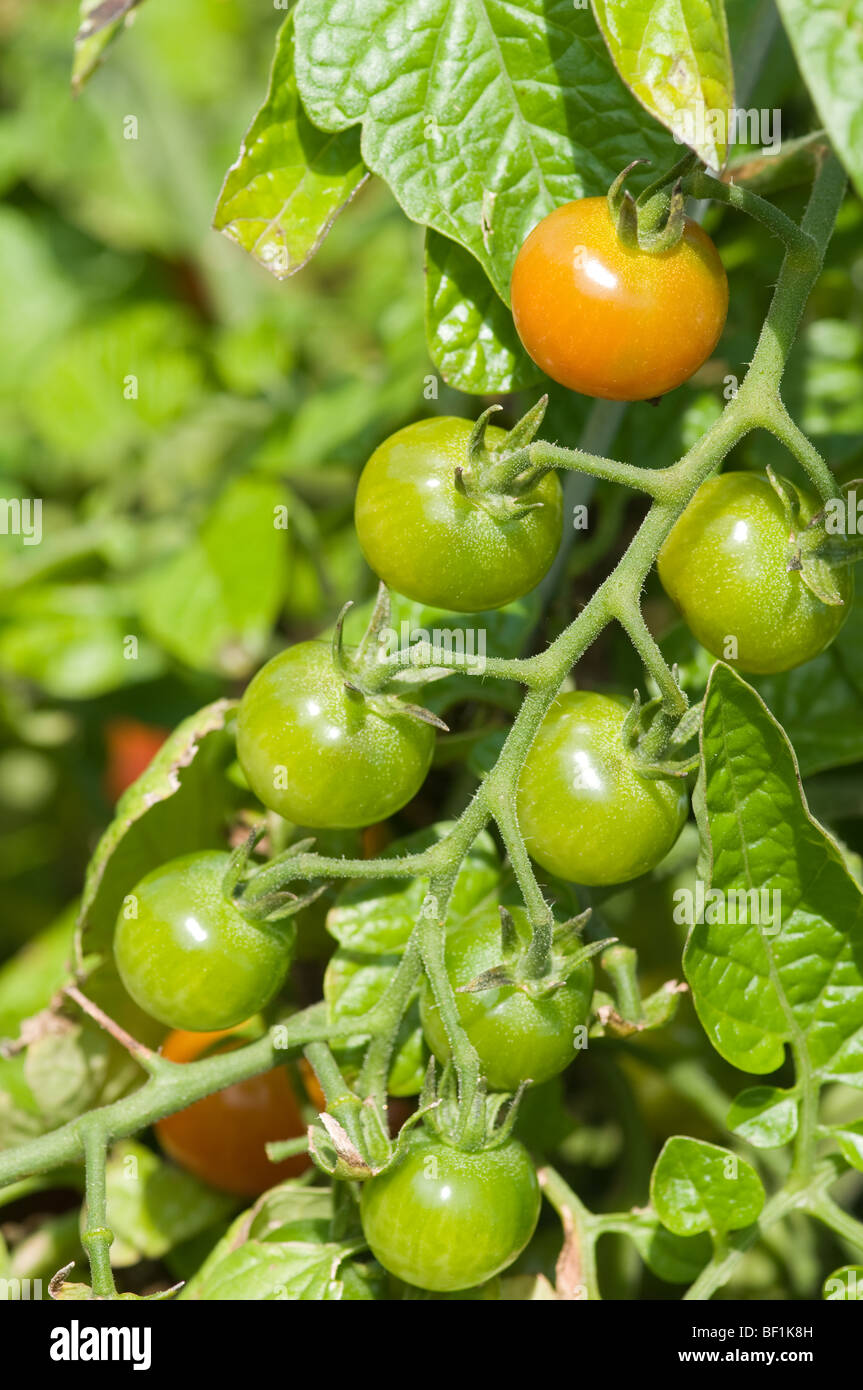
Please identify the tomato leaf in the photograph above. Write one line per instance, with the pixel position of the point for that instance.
(845, 1285)
(849, 1137)
(101, 22)
(699, 1187)
(154, 1205)
(470, 332)
(756, 988)
(828, 44)
(765, 1116)
(676, 59)
(214, 603)
(481, 116)
(177, 806)
(289, 181)
(673, 1258)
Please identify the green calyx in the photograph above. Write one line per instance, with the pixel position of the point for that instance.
(498, 479)
(568, 953)
(656, 738)
(655, 220)
(821, 544)
(485, 1122)
(360, 668)
(271, 907)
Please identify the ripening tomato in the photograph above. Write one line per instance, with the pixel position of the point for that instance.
(221, 1139)
(725, 566)
(611, 321)
(586, 812)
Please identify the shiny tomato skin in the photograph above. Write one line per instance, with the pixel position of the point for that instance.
(319, 755)
(424, 539)
(517, 1038)
(586, 813)
(725, 567)
(221, 1138)
(188, 957)
(610, 321)
(445, 1220)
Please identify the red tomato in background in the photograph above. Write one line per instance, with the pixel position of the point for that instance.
(221, 1138)
(131, 747)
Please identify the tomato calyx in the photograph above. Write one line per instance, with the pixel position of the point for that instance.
(655, 221)
(269, 907)
(485, 1121)
(821, 545)
(568, 953)
(497, 479)
(360, 668)
(656, 740)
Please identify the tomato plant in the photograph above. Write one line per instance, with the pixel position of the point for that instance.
(613, 320)
(188, 956)
(535, 336)
(434, 543)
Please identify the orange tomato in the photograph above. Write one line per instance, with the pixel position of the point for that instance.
(131, 747)
(610, 321)
(221, 1138)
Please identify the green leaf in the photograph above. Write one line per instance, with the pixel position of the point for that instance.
(675, 56)
(353, 984)
(818, 704)
(699, 1187)
(214, 603)
(765, 1116)
(757, 989)
(279, 1250)
(849, 1137)
(481, 116)
(470, 332)
(34, 974)
(101, 22)
(177, 805)
(290, 180)
(675, 1259)
(155, 1205)
(827, 39)
(378, 917)
(71, 639)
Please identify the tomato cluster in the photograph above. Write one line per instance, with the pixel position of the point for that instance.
(322, 746)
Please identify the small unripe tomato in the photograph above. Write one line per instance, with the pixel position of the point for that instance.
(188, 956)
(221, 1139)
(586, 812)
(613, 321)
(428, 541)
(443, 1220)
(725, 566)
(320, 755)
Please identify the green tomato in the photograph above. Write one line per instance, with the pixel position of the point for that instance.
(586, 812)
(188, 957)
(319, 754)
(517, 1038)
(725, 566)
(443, 1219)
(428, 541)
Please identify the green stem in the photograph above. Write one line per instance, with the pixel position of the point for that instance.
(97, 1238)
(580, 1227)
(825, 1210)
